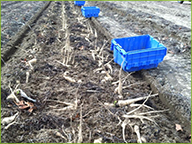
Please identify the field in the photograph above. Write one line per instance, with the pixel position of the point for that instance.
(75, 91)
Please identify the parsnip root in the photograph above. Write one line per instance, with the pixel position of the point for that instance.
(30, 62)
(122, 103)
(68, 78)
(8, 120)
(60, 135)
(23, 94)
(12, 96)
(10, 125)
(136, 129)
(123, 125)
(99, 140)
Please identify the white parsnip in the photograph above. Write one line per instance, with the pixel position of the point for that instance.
(136, 129)
(23, 94)
(93, 54)
(60, 135)
(122, 103)
(109, 67)
(123, 125)
(109, 104)
(99, 140)
(27, 77)
(68, 78)
(32, 61)
(12, 96)
(8, 120)
(10, 124)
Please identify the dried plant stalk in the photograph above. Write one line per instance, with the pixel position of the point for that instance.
(73, 61)
(67, 58)
(98, 69)
(12, 96)
(140, 105)
(101, 50)
(150, 112)
(71, 107)
(80, 139)
(140, 117)
(120, 82)
(70, 57)
(93, 54)
(123, 78)
(111, 113)
(123, 125)
(109, 67)
(95, 33)
(65, 103)
(137, 105)
(89, 27)
(63, 17)
(136, 129)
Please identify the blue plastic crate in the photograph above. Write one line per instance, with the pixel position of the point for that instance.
(90, 11)
(79, 3)
(139, 52)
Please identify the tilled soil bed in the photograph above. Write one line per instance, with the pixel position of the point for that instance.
(73, 79)
(14, 15)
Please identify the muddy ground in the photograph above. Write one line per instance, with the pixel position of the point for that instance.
(70, 94)
(14, 16)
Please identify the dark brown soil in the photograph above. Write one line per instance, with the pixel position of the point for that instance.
(14, 15)
(48, 86)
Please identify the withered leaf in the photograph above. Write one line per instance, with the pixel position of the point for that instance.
(24, 107)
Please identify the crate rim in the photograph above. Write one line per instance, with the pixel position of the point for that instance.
(133, 36)
(136, 51)
(89, 7)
